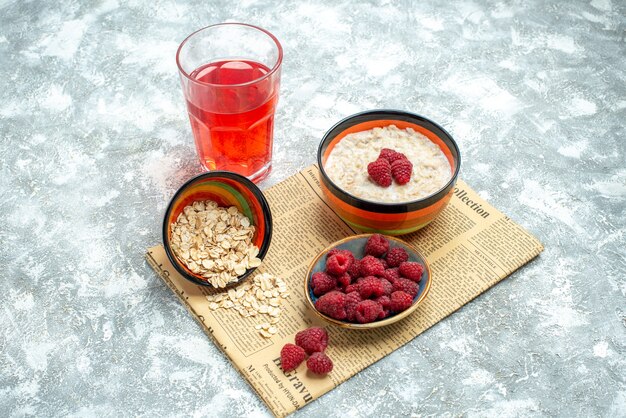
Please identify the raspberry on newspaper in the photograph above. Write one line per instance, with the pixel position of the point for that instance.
(291, 356)
(312, 340)
(319, 363)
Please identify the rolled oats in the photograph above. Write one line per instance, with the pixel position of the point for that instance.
(214, 242)
(249, 299)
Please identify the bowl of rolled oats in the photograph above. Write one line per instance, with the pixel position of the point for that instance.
(217, 229)
(388, 171)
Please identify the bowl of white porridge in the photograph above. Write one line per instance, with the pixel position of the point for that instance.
(372, 191)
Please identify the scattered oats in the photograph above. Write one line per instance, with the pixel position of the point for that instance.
(249, 300)
(254, 262)
(214, 242)
(273, 311)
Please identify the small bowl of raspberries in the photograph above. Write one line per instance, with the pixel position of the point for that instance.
(367, 281)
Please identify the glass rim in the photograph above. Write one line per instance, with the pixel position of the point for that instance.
(275, 68)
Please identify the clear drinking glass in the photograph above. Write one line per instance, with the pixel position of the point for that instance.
(230, 74)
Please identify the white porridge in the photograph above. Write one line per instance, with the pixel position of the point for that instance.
(347, 164)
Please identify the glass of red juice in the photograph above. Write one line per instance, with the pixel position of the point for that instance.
(230, 74)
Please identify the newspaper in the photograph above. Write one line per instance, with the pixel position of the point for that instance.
(470, 246)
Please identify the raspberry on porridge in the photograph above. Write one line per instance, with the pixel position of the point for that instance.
(347, 164)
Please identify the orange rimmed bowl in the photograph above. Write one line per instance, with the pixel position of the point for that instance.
(387, 218)
(227, 189)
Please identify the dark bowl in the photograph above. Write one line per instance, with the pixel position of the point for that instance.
(388, 218)
(356, 244)
(227, 189)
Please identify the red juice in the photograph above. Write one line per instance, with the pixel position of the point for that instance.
(231, 108)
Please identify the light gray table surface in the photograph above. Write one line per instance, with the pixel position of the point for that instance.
(95, 140)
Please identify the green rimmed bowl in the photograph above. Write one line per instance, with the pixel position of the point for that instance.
(227, 189)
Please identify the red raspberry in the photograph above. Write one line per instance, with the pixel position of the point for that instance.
(396, 256)
(350, 256)
(332, 252)
(291, 356)
(390, 155)
(332, 304)
(355, 269)
(352, 299)
(344, 280)
(353, 287)
(368, 311)
(312, 339)
(338, 264)
(401, 170)
(322, 283)
(411, 270)
(376, 245)
(391, 274)
(384, 300)
(371, 266)
(406, 286)
(387, 286)
(380, 172)
(384, 263)
(319, 363)
(400, 301)
(371, 286)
